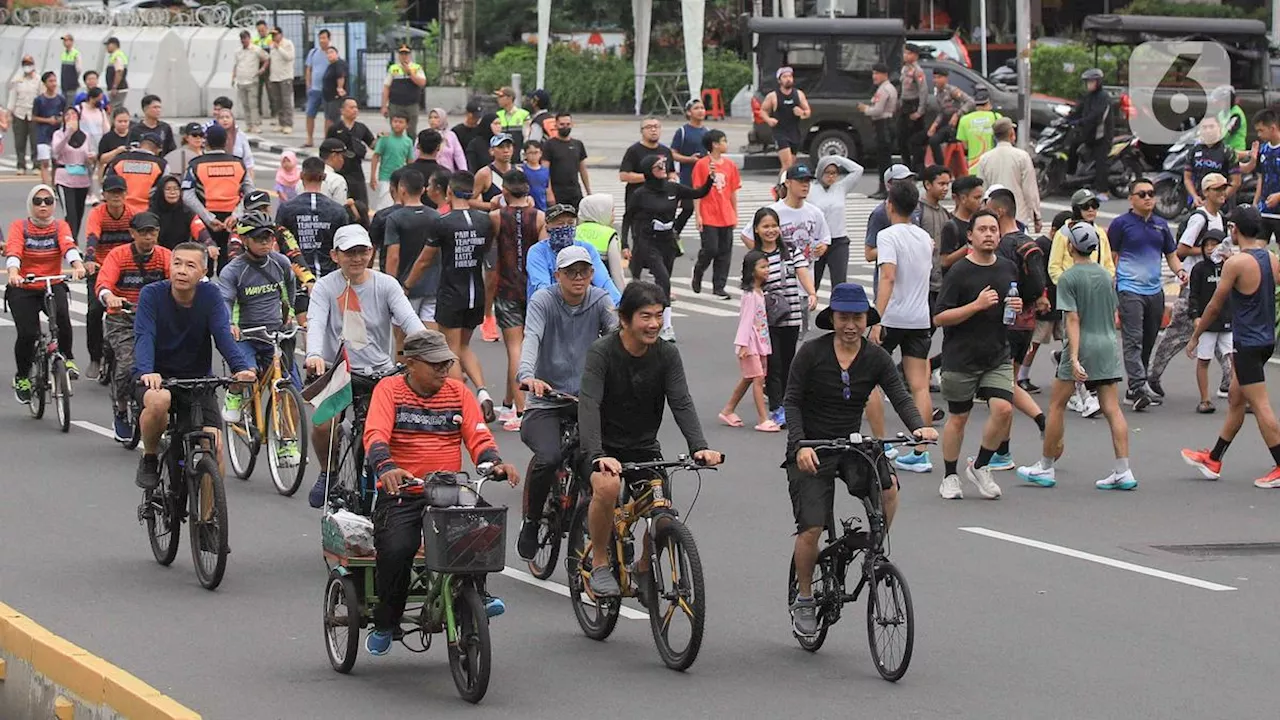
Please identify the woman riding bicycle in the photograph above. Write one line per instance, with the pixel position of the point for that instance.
(37, 245)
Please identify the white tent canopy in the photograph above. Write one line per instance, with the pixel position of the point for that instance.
(692, 13)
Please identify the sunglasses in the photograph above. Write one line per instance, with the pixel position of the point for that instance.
(43, 201)
(1091, 205)
(1145, 194)
(844, 378)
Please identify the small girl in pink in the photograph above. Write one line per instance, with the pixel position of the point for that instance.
(752, 343)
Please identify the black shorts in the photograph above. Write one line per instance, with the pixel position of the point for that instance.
(1093, 385)
(1019, 344)
(448, 316)
(1251, 364)
(813, 497)
(786, 141)
(210, 412)
(914, 343)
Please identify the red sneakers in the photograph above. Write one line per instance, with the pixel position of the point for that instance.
(1200, 460)
(489, 330)
(1270, 481)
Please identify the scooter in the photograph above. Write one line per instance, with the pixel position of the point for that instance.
(1052, 156)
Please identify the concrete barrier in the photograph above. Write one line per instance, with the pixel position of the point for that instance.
(43, 676)
(204, 55)
(93, 54)
(11, 37)
(158, 65)
(224, 55)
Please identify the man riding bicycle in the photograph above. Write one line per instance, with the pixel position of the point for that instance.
(125, 271)
(417, 425)
(628, 378)
(352, 309)
(175, 320)
(831, 378)
(561, 323)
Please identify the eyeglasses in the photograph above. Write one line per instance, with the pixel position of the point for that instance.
(650, 126)
(43, 201)
(844, 378)
(576, 274)
(442, 367)
(1145, 194)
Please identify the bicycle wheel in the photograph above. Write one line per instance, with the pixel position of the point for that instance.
(342, 622)
(470, 655)
(820, 594)
(243, 443)
(62, 394)
(597, 618)
(891, 628)
(286, 424)
(162, 514)
(677, 574)
(208, 523)
(543, 563)
(346, 485)
(39, 376)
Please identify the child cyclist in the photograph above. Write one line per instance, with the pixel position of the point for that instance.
(752, 343)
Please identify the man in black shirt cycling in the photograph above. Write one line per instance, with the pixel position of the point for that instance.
(629, 376)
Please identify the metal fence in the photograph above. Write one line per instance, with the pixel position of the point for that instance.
(219, 15)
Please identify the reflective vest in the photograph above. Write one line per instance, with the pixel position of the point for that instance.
(141, 172)
(112, 59)
(70, 79)
(595, 235)
(403, 89)
(513, 121)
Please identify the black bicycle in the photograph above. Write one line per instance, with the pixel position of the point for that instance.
(50, 377)
(350, 481)
(190, 488)
(890, 617)
(564, 498)
(107, 377)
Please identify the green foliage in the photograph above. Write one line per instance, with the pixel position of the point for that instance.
(1167, 8)
(1055, 69)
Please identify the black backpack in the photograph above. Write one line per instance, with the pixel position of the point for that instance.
(1182, 226)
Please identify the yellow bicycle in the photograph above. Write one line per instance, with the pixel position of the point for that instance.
(273, 415)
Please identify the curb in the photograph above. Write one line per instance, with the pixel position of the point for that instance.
(45, 676)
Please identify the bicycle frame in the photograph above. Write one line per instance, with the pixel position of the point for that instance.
(270, 380)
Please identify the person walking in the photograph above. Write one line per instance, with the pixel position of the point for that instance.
(752, 344)
(69, 69)
(911, 135)
(883, 107)
(1009, 165)
(629, 171)
(1217, 337)
(513, 118)
(566, 159)
(717, 214)
(24, 88)
(117, 73)
(72, 153)
(46, 114)
(402, 90)
(192, 147)
(359, 141)
(280, 79)
(782, 110)
(250, 63)
(452, 154)
(152, 109)
(336, 81)
(686, 148)
(313, 73)
(837, 177)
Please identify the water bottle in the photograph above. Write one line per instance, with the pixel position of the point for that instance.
(1009, 313)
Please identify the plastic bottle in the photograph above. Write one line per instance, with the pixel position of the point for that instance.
(1009, 313)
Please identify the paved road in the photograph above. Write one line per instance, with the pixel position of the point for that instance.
(1005, 629)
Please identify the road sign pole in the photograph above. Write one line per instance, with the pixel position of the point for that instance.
(1024, 74)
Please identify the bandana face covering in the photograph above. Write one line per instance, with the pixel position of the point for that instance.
(561, 237)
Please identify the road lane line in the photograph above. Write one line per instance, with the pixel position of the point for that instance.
(559, 589)
(1079, 555)
(94, 428)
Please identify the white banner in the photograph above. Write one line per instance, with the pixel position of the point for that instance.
(642, 10)
(693, 13)
(544, 40)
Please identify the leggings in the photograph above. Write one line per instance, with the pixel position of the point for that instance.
(783, 340)
(836, 260)
(72, 200)
(26, 305)
(658, 256)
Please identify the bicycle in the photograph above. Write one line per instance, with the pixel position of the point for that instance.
(566, 496)
(462, 544)
(274, 414)
(350, 480)
(107, 377)
(50, 378)
(190, 487)
(889, 607)
(671, 550)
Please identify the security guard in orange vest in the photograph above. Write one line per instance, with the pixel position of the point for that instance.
(403, 88)
(214, 185)
(141, 168)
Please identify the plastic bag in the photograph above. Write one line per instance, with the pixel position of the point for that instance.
(347, 534)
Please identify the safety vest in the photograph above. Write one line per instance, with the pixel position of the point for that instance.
(513, 121)
(217, 178)
(141, 172)
(112, 59)
(595, 235)
(403, 89)
(263, 42)
(70, 79)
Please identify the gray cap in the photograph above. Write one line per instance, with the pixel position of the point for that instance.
(898, 172)
(428, 346)
(572, 255)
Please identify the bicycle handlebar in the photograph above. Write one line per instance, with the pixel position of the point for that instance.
(682, 462)
(261, 333)
(194, 383)
(551, 393)
(46, 279)
(484, 471)
(858, 440)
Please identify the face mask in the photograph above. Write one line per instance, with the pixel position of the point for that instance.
(564, 132)
(28, 69)
(561, 237)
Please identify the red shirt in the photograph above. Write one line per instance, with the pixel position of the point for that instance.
(39, 250)
(716, 209)
(425, 434)
(104, 232)
(124, 277)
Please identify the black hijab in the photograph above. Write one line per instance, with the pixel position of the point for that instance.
(175, 218)
(478, 149)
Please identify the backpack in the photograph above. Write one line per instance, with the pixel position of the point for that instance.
(1182, 226)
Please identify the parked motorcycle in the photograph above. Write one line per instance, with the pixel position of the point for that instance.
(1172, 198)
(1052, 157)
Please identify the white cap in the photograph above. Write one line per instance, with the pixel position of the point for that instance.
(351, 236)
(994, 187)
(572, 255)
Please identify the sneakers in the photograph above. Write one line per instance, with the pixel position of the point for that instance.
(1000, 462)
(123, 427)
(779, 417)
(935, 381)
(1117, 481)
(527, 544)
(95, 369)
(486, 405)
(722, 294)
(493, 607)
(668, 334)
(512, 424)
(981, 478)
(1141, 401)
(489, 330)
(890, 452)
(148, 477)
(505, 413)
(603, 583)
(1270, 481)
(915, 462)
(287, 453)
(1029, 386)
(315, 498)
(1154, 386)
(938, 415)
(1224, 391)
(378, 642)
(1091, 407)
(1199, 459)
(695, 281)
(1038, 475)
(1074, 404)
(22, 390)
(231, 407)
(73, 370)
(804, 617)
(950, 488)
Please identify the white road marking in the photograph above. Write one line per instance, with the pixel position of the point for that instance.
(1079, 555)
(94, 428)
(559, 589)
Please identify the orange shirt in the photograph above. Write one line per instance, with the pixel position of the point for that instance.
(716, 209)
(105, 232)
(141, 172)
(425, 434)
(40, 250)
(124, 277)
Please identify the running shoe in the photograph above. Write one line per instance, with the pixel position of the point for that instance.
(603, 583)
(1153, 384)
(527, 544)
(804, 617)
(1091, 406)
(1199, 459)
(1038, 475)
(950, 488)
(288, 453)
(505, 413)
(315, 498)
(73, 370)
(935, 381)
(512, 424)
(122, 427)
(1029, 386)
(22, 390)
(489, 329)
(1001, 462)
(486, 406)
(95, 368)
(378, 642)
(231, 407)
(1270, 481)
(917, 462)
(890, 452)
(981, 478)
(1074, 404)
(148, 476)
(493, 607)
(1117, 481)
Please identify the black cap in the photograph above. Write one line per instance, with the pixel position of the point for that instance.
(912, 47)
(981, 96)
(193, 128)
(799, 172)
(1213, 234)
(114, 183)
(1247, 219)
(334, 145)
(145, 221)
(257, 198)
(880, 68)
(474, 106)
(151, 137)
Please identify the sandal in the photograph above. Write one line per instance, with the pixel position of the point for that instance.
(1205, 408)
(730, 419)
(768, 426)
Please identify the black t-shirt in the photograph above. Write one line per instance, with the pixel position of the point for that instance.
(1032, 265)
(463, 237)
(955, 235)
(329, 86)
(163, 129)
(111, 141)
(378, 233)
(564, 157)
(358, 139)
(1217, 158)
(409, 229)
(637, 152)
(313, 219)
(465, 133)
(980, 343)
(427, 168)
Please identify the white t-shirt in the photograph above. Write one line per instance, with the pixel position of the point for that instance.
(909, 248)
(802, 228)
(1195, 228)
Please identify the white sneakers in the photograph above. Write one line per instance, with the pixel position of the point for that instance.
(1088, 407)
(981, 478)
(950, 488)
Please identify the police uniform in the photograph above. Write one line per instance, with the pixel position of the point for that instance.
(403, 95)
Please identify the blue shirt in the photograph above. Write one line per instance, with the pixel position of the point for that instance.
(1268, 176)
(540, 264)
(318, 61)
(175, 341)
(1139, 247)
(47, 107)
(103, 103)
(539, 178)
(688, 141)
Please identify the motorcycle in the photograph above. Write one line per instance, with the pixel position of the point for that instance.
(1054, 148)
(1172, 198)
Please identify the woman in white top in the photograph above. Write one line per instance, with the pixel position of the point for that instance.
(94, 123)
(237, 142)
(836, 178)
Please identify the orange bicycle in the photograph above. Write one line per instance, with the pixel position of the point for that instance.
(273, 415)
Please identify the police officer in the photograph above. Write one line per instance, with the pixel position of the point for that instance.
(403, 88)
(514, 118)
(911, 114)
(69, 77)
(117, 73)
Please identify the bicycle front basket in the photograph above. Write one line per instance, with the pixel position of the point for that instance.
(465, 539)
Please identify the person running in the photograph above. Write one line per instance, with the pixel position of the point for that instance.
(686, 147)
(933, 219)
(1087, 297)
(38, 245)
(629, 379)
(124, 272)
(150, 122)
(561, 325)
(629, 170)
(1216, 339)
(1048, 326)
(836, 177)
(975, 353)
(881, 111)
(782, 110)
(405, 237)
(752, 344)
(487, 193)
(878, 219)
(717, 213)
(1248, 283)
(953, 243)
(214, 185)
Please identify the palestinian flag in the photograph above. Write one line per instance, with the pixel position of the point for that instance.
(330, 393)
(354, 331)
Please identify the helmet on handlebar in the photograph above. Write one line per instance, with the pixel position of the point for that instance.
(1091, 74)
(255, 222)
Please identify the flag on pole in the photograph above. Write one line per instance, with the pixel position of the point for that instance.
(330, 393)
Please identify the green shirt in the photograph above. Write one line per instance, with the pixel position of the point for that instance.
(393, 152)
(1088, 290)
(1237, 138)
(975, 131)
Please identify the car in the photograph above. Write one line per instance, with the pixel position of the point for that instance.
(1004, 100)
(943, 44)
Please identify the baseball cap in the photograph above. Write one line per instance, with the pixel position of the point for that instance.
(216, 135)
(404, 49)
(981, 96)
(193, 128)
(1212, 180)
(114, 183)
(898, 171)
(145, 221)
(500, 138)
(428, 346)
(561, 209)
(351, 236)
(799, 172)
(1213, 234)
(1247, 219)
(474, 105)
(334, 145)
(68, 36)
(992, 189)
(1083, 237)
(257, 199)
(153, 138)
(571, 255)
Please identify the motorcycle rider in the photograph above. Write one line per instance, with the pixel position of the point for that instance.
(1211, 156)
(1094, 125)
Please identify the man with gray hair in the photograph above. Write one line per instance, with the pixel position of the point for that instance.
(1011, 166)
(251, 63)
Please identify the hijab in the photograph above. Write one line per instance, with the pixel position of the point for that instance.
(651, 179)
(31, 215)
(175, 219)
(287, 178)
(597, 208)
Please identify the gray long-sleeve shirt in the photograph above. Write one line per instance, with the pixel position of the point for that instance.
(256, 292)
(379, 302)
(558, 335)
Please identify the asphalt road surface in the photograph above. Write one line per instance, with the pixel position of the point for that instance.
(1053, 603)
